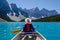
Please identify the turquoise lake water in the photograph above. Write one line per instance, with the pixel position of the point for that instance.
(50, 30)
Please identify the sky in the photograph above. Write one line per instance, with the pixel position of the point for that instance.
(47, 4)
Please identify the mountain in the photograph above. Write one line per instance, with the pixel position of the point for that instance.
(16, 14)
(15, 18)
(12, 9)
(23, 12)
(55, 18)
(4, 7)
(35, 12)
(15, 9)
(48, 13)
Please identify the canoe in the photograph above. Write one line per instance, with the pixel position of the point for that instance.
(32, 36)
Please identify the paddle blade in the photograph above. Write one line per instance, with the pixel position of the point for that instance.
(16, 31)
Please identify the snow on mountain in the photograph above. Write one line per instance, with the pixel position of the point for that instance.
(15, 18)
(33, 18)
(10, 6)
(42, 16)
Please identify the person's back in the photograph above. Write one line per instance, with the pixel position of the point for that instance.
(28, 26)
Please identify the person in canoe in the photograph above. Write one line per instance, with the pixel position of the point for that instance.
(28, 27)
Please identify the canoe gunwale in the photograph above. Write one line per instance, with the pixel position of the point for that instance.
(30, 34)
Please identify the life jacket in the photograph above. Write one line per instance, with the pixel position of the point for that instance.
(28, 27)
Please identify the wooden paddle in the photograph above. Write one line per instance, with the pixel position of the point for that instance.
(16, 31)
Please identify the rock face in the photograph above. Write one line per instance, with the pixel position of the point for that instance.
(15, 9)
(1, 20)
(35, 12)
(4, 7)
(24, 13)
(48, 13)
(15, 18)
